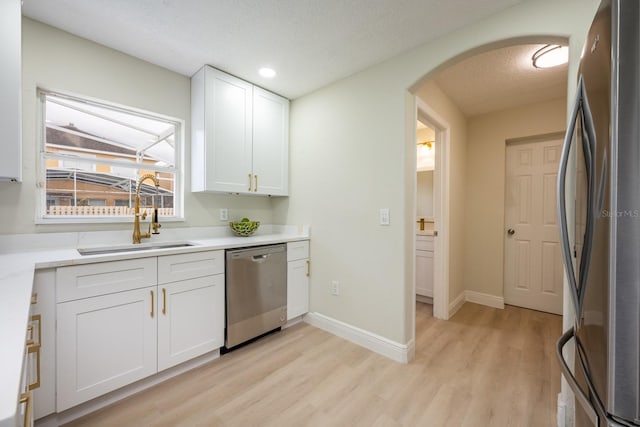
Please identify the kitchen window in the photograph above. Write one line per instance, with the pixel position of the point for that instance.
(92, 154)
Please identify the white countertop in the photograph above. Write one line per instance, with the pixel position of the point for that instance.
(21, 255)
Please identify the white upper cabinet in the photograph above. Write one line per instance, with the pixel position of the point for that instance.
(240, 136)
(10, 90)
(221, 120)
(270, 143)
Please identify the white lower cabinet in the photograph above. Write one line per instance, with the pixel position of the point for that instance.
(38, 376)
(107, 341)
(298, 272)
(424, 265)
(191, 304)
(191, 319)
(104, 343)
(44, 306)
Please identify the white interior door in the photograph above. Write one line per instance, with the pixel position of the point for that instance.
(533, 262)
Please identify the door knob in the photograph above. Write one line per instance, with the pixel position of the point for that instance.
(511, 231)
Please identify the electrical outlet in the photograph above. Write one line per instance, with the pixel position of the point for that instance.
(224, 214)
(335, 287)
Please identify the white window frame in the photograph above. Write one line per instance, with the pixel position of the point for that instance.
(41, 174)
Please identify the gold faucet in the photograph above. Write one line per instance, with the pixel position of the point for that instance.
(137, 235)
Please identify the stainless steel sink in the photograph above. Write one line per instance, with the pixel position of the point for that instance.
(132, 248)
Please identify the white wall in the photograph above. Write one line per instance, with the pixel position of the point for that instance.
(343, 168)
(341, 175)
(60, 61)
(488, 133)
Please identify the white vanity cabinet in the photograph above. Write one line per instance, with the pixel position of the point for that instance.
(11, 89)
(191, 306)
(239, 136)
(424, 265)
(122, 321)
(298, 272)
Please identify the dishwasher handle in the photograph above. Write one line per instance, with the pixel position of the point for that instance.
(260, 258)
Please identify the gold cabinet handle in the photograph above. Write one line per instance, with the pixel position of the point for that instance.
(256, 179)
(34, 298)
(37, 320)
(35, 324)
(164, 301)
(30, 335)
(31, 350)
(249, 182)
(152, 305)
(308, 268)
(26, 398)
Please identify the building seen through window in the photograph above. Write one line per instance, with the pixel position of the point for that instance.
(93, 154)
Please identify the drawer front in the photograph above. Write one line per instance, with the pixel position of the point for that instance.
(297, 250)
(424, 243)
(89, 280)
(173, 268)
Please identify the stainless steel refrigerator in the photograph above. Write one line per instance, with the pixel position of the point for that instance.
(603, 266)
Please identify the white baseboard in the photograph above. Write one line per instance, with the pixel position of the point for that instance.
(403, 353)
(456, 304)
(424, 299)
(294, 321)
(484, 299)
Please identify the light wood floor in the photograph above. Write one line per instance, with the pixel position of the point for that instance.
(484, 367)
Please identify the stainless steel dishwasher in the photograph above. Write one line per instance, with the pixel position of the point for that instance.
(256, 292)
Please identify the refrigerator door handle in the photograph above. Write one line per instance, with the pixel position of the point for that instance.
(589, 149)
(562, 207)
(580, 395)
(581, 112)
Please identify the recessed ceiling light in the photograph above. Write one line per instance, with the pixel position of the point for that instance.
(267, 72)
(550, 56)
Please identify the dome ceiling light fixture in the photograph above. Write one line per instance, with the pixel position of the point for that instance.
(267, 72)
(550, 56)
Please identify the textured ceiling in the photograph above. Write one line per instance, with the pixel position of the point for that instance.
(309, 42)
(501, 79)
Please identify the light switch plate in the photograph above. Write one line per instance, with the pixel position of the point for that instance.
(224, 214)
(384, 216)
